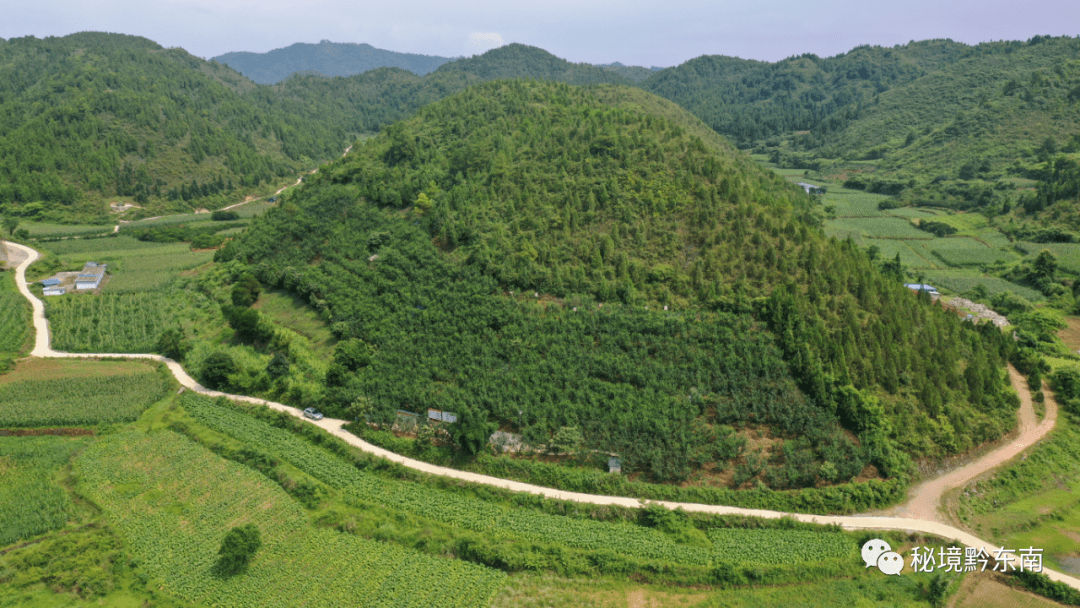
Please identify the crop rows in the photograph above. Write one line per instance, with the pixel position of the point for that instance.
(447, 507)
(30, 502)
(14, 317)
(1067, 254)
(885, 227)
(96, 247)
(963, 283)
(78, 401)
(742, 546)
(964, 251)
(174, 501)
(109, 322)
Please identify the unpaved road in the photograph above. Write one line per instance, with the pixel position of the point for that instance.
(925, 499)
(925, 525)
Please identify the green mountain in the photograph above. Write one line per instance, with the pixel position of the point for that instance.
(636, 73)
(522, 61)
(536, 256)
(92, 117)
(326, 58)
(749, 100)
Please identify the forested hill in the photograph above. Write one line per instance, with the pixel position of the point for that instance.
(749, 100)
(522, 61)
(327, 58)
(91, 116)
(538, 256)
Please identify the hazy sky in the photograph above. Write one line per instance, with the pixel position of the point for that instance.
(635, 32)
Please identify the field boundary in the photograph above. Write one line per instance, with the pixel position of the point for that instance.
(42, 348)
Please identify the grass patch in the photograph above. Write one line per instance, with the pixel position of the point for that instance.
(966, 251)
(884, 227)
(293, 313)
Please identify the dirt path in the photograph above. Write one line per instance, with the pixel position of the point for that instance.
(924, 499)
(925, 525)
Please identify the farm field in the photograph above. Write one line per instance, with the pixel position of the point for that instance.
(880, 227)
(986, 591)
(31, 503)
(62, 369)
(14, 318)
(967, 251)
(142, 267)
(109, 322)
(1067, 254)
(45, 230)
(439, 505)
(961, 281)
(154, 488)
(739, 546)
(863, 590)
(79, 401)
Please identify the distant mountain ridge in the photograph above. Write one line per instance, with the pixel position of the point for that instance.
(327, 58)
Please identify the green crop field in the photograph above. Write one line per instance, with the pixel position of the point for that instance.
(14, 316)
(79, 401)
(912, 253)
(854, 203)
(109, 322)
(42, 230)
(966, 251)
(1067, 254)
(750, 546)
(885, 227)
(959, 281)
(30, 501)
(94, 246)
(168, 220)
(173, 501)
(133, 268)
(912, 212)
(439, 505)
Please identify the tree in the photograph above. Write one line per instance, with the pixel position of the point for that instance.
(246, 290)
(172, 344)
(1045, 264)
(11, 223)
(216, 369)
(237, 548)
(278, 366)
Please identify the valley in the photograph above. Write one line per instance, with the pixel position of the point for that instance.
(719, 382)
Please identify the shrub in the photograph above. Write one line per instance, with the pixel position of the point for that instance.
(238, 547)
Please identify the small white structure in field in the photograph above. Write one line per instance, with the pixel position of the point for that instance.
(614, 465)
(53, 290)
(91, 276)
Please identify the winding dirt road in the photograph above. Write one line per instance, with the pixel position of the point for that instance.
(920, 510)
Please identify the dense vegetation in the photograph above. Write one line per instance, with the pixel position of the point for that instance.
(620, 198)
(92, 115)
(326, 58)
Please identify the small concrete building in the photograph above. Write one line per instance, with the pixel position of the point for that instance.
(50, 282)
(91, 276)
(53, 290)
(930, 289)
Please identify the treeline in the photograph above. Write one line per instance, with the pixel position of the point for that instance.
(590, 206)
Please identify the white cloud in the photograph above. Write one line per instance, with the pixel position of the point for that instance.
(479, 43)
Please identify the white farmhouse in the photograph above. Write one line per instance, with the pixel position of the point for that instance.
(91, 276)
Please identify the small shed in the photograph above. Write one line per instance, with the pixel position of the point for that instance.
(53, 290)
(811, 188)
(50, 282)
(614, 465)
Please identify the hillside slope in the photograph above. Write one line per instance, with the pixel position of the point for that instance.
(327, 58)
(93, 116)
(609, 204)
